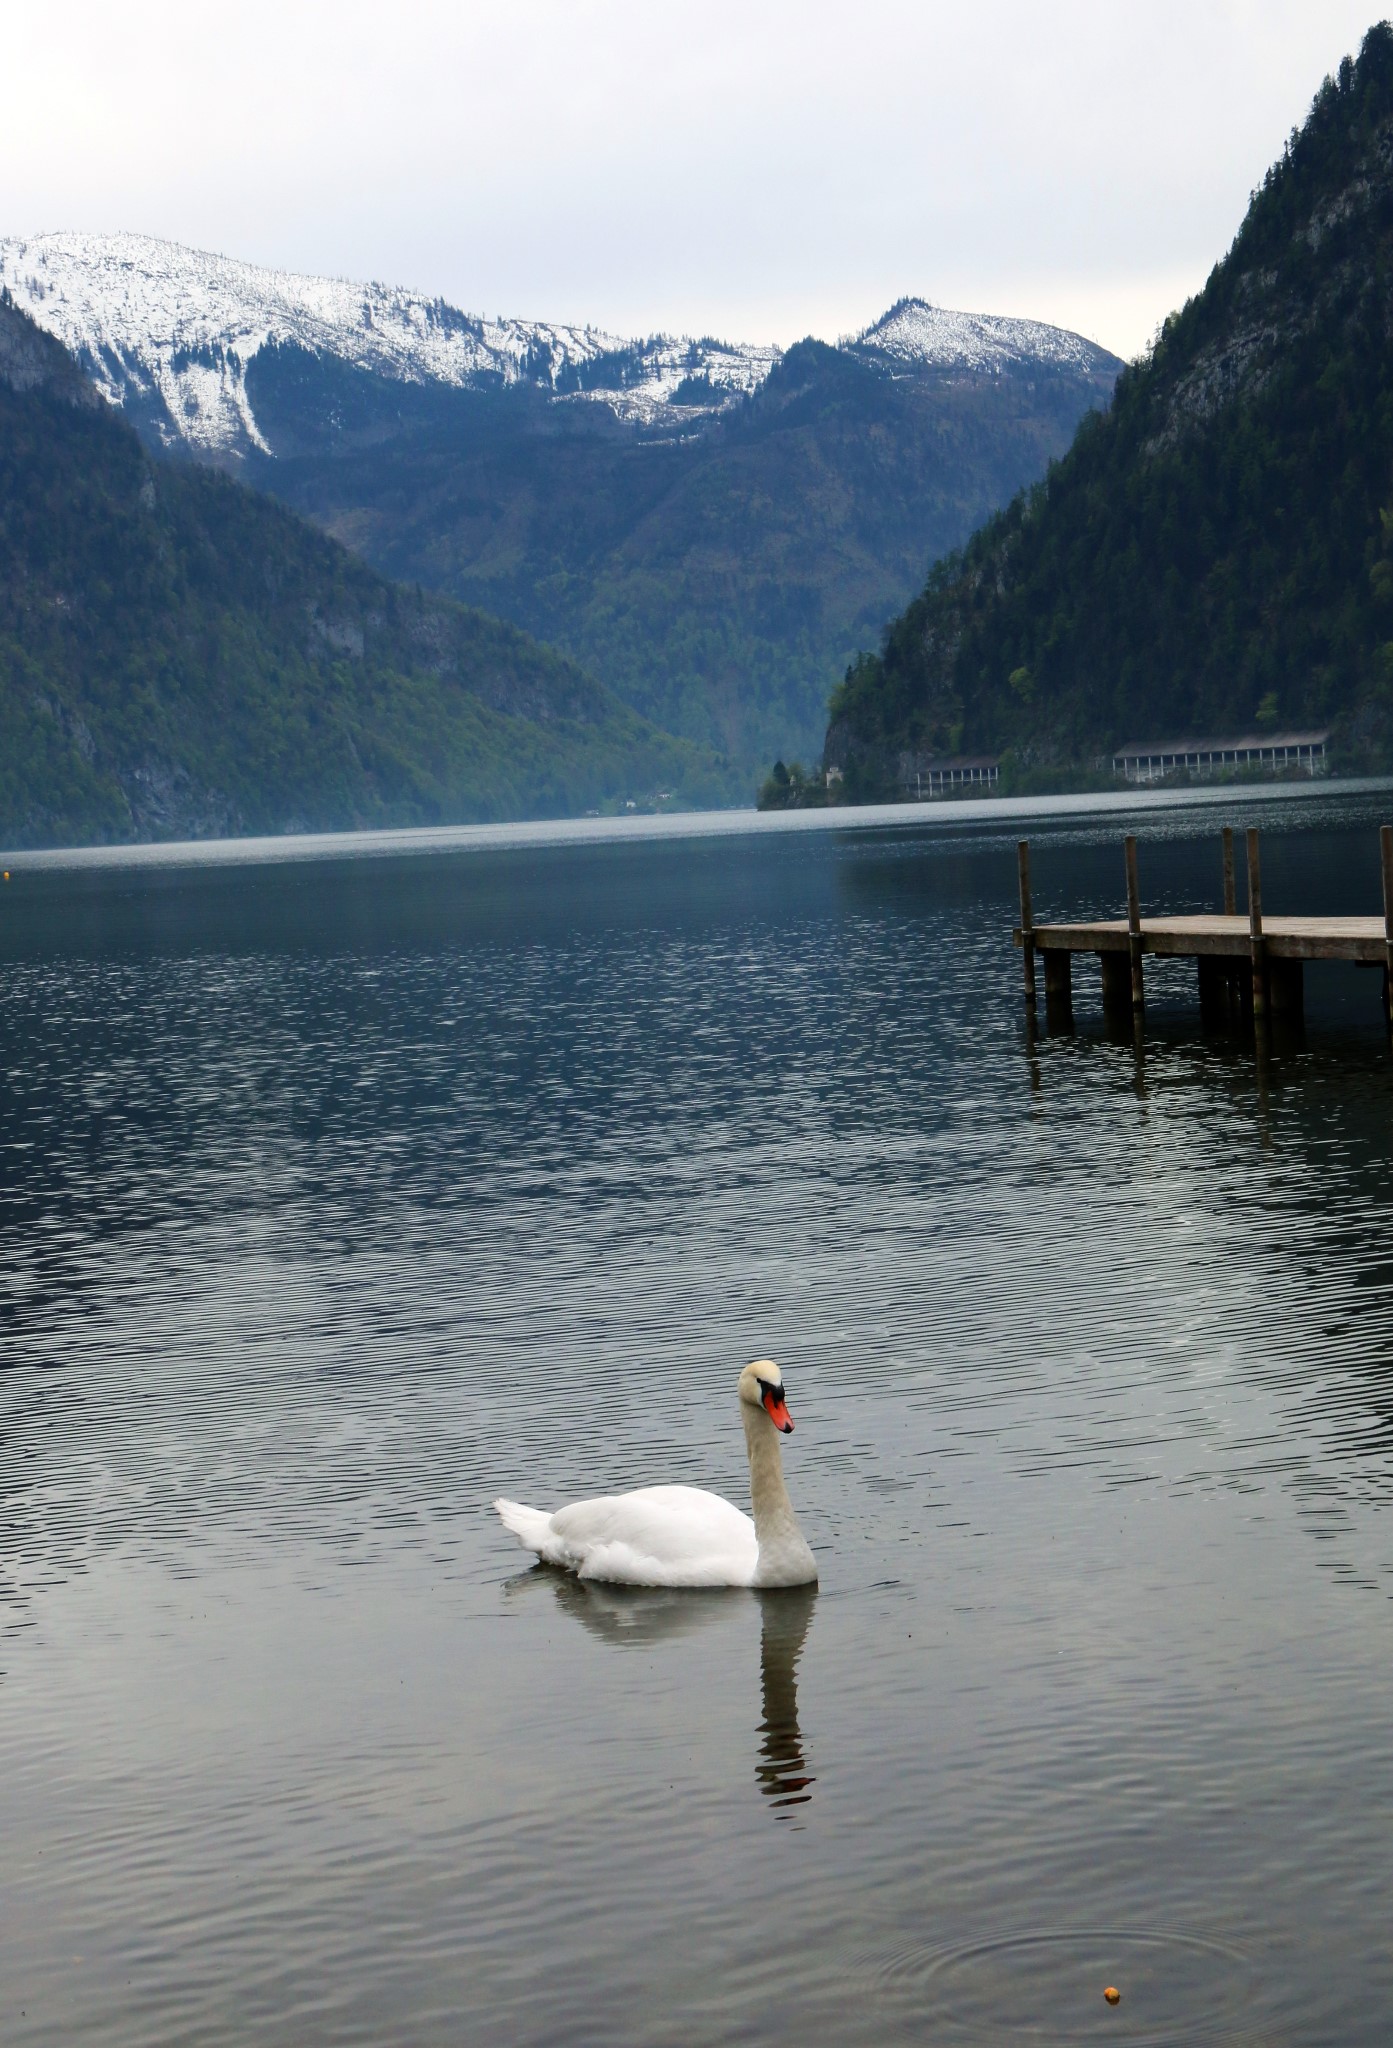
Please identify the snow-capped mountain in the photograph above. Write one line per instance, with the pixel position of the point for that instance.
(148, 318)
(168, 333)
(914, 332)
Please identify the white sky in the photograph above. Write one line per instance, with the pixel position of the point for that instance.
(758, 170)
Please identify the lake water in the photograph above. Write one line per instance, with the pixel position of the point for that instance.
(341, 1193)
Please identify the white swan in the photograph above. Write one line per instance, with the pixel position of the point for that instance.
(682, 1535)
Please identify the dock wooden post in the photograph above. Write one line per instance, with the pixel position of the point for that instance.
(1230, 892)
(1286, 989)
(1027, 921)
(1117, 990)
(1213, 989)
(1257, 950)
(1059, 987)
(1386, 849)
(1258, 973)
(1134, 924)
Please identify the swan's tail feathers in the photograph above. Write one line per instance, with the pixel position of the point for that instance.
(531, 1526)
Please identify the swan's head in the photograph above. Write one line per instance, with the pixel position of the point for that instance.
(762, 1385)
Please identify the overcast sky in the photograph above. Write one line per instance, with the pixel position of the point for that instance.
(758, 170)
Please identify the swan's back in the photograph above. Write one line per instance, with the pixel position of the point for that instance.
(657, 1536)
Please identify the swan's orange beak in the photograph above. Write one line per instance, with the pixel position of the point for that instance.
(776, 1408)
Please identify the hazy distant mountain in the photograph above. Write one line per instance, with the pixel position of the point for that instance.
(712, 527)
(1217, 553)
(180, 656)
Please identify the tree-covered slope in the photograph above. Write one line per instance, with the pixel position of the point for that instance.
(718, 580)
(180, 656)
(1217, 550)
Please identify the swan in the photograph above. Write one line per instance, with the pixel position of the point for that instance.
(682, 1535)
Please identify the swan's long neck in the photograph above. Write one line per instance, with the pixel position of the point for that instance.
(784, 1556)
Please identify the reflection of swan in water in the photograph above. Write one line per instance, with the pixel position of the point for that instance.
(632, 1616)
(636, 1617)
(784, 1621)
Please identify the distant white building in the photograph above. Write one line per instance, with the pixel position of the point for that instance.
(963, 771)
(1153, 760)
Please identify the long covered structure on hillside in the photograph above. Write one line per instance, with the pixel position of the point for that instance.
(1153, 760)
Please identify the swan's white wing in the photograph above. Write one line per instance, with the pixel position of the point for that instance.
(659, 1536)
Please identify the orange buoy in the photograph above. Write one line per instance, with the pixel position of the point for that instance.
(1112, 1994)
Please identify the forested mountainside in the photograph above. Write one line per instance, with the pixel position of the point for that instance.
(712, 528)
(180, 656)
(719, 582)
(1214, 553)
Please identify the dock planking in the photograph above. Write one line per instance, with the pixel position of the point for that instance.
(1249, 963)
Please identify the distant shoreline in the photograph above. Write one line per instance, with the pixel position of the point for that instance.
(559, 832)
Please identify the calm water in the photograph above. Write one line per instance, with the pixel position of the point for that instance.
(341, 1194)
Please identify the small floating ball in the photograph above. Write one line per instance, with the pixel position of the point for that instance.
(1112, 1994)
(7, 874)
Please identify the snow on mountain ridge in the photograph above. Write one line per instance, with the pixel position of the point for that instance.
(915, 331)
(171, 330)
(144, 316)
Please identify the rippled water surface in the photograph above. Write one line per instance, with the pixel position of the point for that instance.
(342, 1193)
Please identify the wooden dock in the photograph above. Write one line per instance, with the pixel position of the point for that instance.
(1249, 965)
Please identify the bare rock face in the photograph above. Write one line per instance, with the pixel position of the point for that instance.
(1267, 318)
(1235, 368)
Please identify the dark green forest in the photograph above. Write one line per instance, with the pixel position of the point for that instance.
(1215, 553)
(180, 656)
